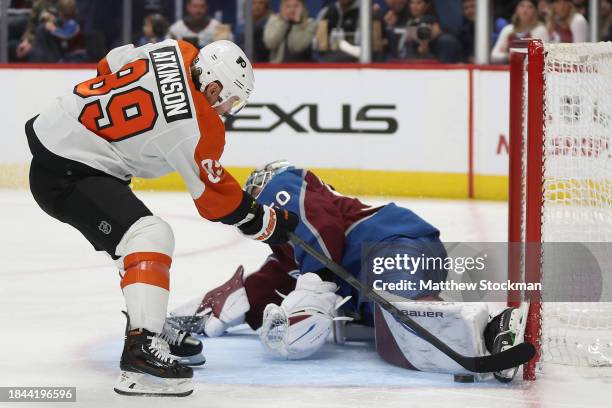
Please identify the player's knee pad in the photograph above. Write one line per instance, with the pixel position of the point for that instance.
(460, 325)
(148, 234)
(299, 327)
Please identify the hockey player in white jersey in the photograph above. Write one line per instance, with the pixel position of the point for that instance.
(149, 111)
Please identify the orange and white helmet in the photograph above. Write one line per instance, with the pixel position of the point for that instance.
(225, 62)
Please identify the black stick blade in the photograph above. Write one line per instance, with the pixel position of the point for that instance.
(513, 357)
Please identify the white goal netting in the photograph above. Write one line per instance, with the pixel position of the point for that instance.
(577, 205)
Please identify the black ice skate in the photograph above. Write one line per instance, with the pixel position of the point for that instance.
(504, 331)
(147, 368)
(185, 348)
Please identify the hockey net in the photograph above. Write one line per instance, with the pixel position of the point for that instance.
(561, 192)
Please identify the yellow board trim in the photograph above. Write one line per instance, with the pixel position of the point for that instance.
(490, 187)
(346, 181)
(353, 182)
(14, 175)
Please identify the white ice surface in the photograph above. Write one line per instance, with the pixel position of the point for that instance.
(60, 322)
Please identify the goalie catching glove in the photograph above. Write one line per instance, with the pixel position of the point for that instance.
(300, 325)
(268, 224)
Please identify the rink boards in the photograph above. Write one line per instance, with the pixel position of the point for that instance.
(404, 130)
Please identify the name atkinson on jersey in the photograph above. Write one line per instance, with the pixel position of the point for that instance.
(171, 83)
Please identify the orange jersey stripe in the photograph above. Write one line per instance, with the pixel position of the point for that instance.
(222, 194)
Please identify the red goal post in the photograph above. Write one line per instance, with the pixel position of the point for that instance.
(525, 188)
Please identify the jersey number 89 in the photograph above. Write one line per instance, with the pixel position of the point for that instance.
(127, 113)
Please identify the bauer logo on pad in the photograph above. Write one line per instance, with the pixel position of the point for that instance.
(171, 84)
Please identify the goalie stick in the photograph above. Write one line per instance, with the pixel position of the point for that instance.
(513, 357)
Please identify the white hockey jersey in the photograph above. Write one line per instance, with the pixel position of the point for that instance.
(143, 116)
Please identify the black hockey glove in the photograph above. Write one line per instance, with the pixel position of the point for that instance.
(268, 224)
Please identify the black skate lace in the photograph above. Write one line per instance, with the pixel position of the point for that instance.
(159, 348)
(172, 336)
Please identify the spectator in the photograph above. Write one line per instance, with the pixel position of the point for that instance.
(395, 20)
(338, 23)
(18, 17)
(582, 7)
(261, 13)
(544, 9)
(100, 26)
(154, 29)
(288, 35)
(337, 36)
(198, 28)
(143, 8)
(565, 24)
(424, 38)
(58, 35)
(398, 13)
(525, 24)
(466, 33)
(38, 8)
(502, 9)
(606, 20)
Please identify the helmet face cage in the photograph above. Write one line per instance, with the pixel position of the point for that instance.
(231, 90)
(236, 103)
(260, 177)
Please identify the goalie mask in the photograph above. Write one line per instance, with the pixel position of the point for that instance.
(262, 175)
(224, 62)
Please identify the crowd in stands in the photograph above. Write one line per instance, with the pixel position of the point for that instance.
(48, 31)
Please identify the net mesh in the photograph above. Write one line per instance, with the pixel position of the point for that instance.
(577, 188)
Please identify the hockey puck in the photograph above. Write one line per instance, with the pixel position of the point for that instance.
(464, 378)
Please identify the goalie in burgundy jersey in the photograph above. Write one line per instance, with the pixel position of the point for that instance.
(295, 316)
(149, 111)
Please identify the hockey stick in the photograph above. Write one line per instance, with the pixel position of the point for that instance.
(513, 357)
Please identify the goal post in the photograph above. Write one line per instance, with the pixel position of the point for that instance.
(560, 191)
(525, 188)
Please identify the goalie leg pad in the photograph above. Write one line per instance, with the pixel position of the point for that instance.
(460, 325)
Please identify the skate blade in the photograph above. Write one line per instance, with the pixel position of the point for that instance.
(130, 383)
(196, 360)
